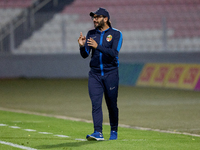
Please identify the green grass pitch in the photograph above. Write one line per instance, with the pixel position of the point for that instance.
(164, 109)
(41, 132)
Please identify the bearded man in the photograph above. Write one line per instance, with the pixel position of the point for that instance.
(104, 44)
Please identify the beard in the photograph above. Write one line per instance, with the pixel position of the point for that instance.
(99, 25)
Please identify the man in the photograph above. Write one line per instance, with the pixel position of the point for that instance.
(105, 43)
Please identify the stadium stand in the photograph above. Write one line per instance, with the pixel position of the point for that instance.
(182, 23)
(50, 38)
(131, 15)
(11, 12)
(147, 26)
(10, 9)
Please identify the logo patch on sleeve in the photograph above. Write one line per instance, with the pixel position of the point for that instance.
(109, 38)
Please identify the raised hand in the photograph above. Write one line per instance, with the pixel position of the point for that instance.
(81, 39)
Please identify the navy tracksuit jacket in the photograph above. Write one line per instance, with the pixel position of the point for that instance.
(103, 76)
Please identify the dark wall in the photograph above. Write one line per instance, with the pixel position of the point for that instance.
(43, 66)
(74, 66)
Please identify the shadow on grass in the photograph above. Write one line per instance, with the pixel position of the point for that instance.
(69, 144)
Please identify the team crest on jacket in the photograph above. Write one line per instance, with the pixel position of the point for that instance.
(109, 38)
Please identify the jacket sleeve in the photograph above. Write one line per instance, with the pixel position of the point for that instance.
(85, 50)
(117, 43)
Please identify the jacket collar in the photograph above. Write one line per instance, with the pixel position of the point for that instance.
(104, 30)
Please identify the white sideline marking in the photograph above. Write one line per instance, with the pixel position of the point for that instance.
(16, 145)
(45, 133)
(3, 125)
(80, 139)
(64, 136)
(90, 121)
(15, 127)
(30, 130)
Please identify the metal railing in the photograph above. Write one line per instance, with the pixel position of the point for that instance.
(25, 18)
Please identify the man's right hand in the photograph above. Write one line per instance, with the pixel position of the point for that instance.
(81, 39)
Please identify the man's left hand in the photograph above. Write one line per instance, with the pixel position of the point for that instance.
(91, 42)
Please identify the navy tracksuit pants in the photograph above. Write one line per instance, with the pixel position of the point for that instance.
(107, 85)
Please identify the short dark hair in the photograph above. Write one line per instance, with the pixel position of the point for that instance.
(109, 23)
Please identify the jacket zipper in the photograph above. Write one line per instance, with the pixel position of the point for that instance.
(100, 58)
